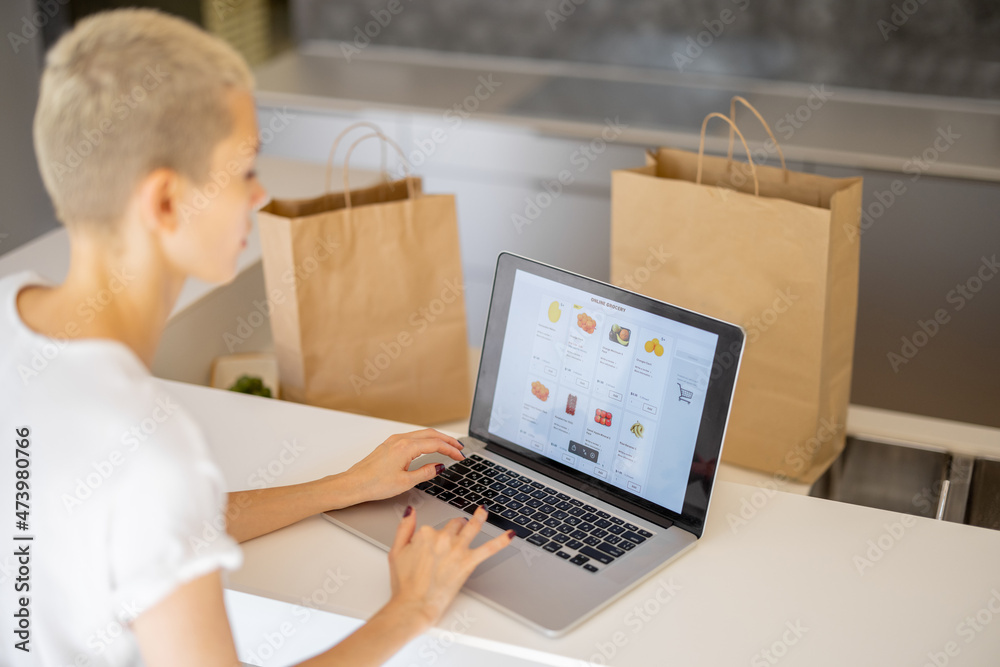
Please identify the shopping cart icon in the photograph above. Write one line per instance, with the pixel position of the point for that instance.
(686, 394)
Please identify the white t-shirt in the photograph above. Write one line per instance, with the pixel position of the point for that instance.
(125, 502)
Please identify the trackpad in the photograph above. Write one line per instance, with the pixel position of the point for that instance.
(485, 535)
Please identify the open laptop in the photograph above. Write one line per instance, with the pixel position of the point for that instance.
(596, 430)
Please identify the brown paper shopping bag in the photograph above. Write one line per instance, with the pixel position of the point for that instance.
(368, 308)
(773, 250)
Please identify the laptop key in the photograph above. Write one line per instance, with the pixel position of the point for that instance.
(448, 473)
(638, 539)
(537, 540)
(574, 501)
(589, 508)
(644, 533)
(563, 538)
(507, 524)
(433, 489)
(522, 520)
(474, 476)
(559, 514)
(562, 496)
(445, 484)
(579, 559)
(423, 485)
(548, 532)
(534, 525)
(514, 505)
(626, 545)
(471, 507)
(586, 527)
(615, 520)
(577, 512)
(590, 568)
(552, 522)
(563, 505)
(502, 499)
(616, 530)
(603, 515)
(446, 495)
(631, 526)
(548, 509)
(599, 556)
(552, 547)
(522, 497)
(578, 534)
(589, 517)
(611, 549)
(460, 503)
(602, 523)
(563, 555)
(591, 540)
(508, 514)
(612, 539)
(537, 485)
(574, 544)
(572, 521)
(534, 503)
(599, 532)
(489, 493)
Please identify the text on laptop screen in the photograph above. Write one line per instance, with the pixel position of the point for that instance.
(611, 390)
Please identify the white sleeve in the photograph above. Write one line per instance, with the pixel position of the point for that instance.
(168, 523)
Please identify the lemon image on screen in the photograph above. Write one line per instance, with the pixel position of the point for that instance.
(554, 312)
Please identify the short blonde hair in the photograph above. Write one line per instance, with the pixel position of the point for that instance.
(124, 93)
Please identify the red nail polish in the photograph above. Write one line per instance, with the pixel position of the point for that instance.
(438, 468)
(511, 534)
(408, 511)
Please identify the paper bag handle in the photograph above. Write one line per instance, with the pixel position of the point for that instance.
(336, 143)
(732, 125)
(385, 140)
(732, 116)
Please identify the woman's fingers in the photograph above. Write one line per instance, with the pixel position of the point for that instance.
(474, 525)
(419, 446)
(487, 549)
(454, 526)
(404, 532)
(434, 433)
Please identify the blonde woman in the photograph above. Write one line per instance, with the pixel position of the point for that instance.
(146, 135)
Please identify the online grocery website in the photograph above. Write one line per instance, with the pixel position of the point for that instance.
(608, 389)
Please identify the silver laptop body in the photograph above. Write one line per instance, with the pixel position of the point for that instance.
(601, 457)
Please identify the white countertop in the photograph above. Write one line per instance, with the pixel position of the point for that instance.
(858, 585)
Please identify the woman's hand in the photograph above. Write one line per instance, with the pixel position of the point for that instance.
(428, 567)
(384, 473)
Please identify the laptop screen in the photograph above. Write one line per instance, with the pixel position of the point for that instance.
(606, 386)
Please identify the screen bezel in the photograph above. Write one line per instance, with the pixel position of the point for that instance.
(715, 415)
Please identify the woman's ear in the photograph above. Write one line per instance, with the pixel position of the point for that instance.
(159, 201)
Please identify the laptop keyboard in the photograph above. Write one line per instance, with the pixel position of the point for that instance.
(566, 527)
